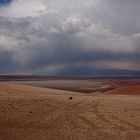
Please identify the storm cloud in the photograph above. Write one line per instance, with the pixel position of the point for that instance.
(71, 37)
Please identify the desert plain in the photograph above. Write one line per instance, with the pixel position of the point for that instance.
(70, 109)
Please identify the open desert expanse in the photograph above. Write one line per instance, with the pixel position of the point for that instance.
(70, 110)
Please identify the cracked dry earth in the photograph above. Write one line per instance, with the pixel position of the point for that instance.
(31, 113)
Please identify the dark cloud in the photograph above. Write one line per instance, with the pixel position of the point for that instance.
(7, 64)
(88, 70)
(5, 2)
(94, 37)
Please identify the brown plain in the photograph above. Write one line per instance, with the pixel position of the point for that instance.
(36, 113)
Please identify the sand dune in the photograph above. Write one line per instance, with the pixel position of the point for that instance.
(33, 113)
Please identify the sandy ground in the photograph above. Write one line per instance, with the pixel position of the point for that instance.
(33, 113)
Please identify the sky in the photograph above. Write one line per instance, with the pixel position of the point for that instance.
(70, 37)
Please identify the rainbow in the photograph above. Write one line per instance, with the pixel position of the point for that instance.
(98, 63)
(49, 67)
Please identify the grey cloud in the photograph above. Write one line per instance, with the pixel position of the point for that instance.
(69, 33)
(122, 16)
(6, 62)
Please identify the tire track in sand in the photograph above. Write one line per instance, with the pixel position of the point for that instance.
(134, 127)
(123, 125)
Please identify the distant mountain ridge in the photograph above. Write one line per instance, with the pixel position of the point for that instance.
(4, 78)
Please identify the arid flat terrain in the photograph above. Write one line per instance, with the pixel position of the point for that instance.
(28, 112)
